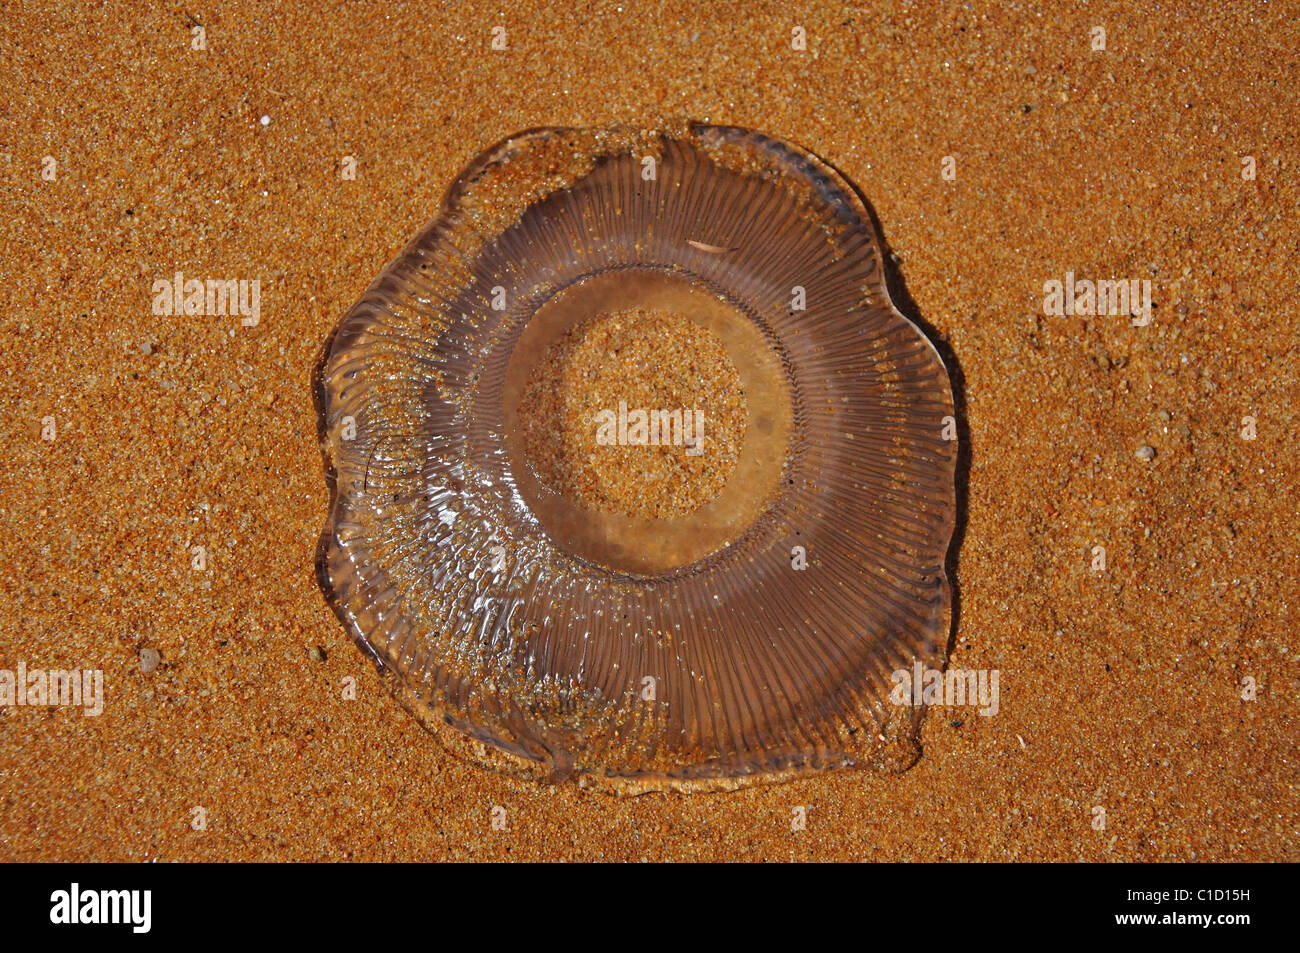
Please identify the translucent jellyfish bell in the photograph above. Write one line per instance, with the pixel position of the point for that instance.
(749, 627)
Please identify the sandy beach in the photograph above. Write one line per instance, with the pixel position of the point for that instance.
(1125, 557)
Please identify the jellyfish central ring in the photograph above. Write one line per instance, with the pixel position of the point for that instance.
(752, 639)
(643, 545)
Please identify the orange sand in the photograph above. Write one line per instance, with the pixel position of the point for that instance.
(1119, 689)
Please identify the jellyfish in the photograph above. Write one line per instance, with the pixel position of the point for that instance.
(554, 594)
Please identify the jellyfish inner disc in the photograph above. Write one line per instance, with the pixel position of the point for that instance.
(663, 534)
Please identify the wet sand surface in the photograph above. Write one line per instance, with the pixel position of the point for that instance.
(1120, 689)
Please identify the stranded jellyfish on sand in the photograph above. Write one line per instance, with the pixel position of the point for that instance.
(638, 475)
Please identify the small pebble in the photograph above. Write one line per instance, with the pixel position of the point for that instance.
(316, 653)
(150, 659)
(266, 120)
(1146, 453)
